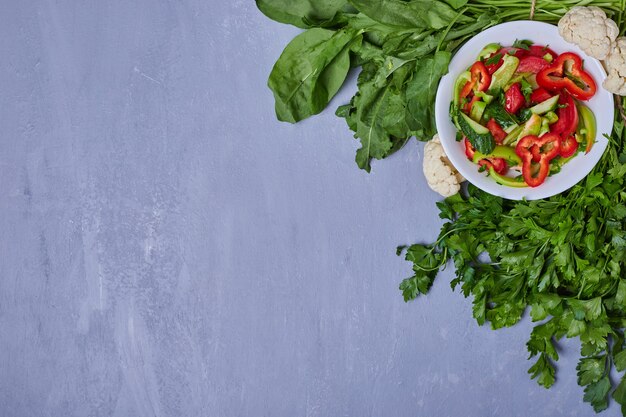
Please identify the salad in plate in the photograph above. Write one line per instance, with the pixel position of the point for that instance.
(520, 114)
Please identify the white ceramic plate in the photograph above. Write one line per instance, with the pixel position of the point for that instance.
(505, 34)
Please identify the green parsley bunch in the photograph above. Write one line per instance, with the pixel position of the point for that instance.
(564, 257)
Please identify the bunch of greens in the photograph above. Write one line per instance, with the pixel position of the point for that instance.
(564, 257)
(403, 49)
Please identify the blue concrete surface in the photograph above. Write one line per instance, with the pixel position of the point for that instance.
(167, 248)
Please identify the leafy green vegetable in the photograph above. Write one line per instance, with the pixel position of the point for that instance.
(402, 47)
(310, 71)
(298, 12)
(394, 36)
(527, 89)
(420, 93)
(379, 116)
(563, 256)
(522, 44)
(457, 4)
(496, 110)
(494, 59)
(416, 14)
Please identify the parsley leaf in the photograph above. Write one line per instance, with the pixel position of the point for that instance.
(493, 59)
(522, 44)
(527, 89)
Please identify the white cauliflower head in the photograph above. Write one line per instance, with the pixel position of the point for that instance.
(590, 29)
(441, 176)
(615, 65)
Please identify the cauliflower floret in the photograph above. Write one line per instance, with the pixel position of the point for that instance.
(615, 65)
(590, 29)
(441, 176)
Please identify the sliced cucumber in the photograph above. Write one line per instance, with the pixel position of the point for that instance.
(531, 127)
(478, 108)
(479, 136)
(511, 128)
(492, 48)
(545, 106)
(459, 84)
(513, 135)
(501, 77)
(545, 127)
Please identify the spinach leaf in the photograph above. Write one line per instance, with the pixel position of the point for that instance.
(309, 72)
(380, 109)
(457, 4)
(418, 14)
(301, 13)
(421, 92)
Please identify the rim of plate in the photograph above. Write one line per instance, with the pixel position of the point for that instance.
(601, 105)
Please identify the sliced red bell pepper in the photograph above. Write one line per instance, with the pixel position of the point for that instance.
(568, 117)
(499, 165)
(480, 80)
(481, 76)
(569, 146)
(536, 152)
(467, 89)
(541, 51)
(532, 64)
(469, 104)
(469, 149)
(514, 99)
(549, 147)
(496, 131)
(539, 95)
(566, 72)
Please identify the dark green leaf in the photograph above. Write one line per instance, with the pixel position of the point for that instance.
(421, 91)
(296, 12)
(417, 14)
(620, 360)
(590, 370)
(597, 394)
(309, 72)
(494, 59)
(457, 4)
(619, 395)
(522, 44)
(544, 370)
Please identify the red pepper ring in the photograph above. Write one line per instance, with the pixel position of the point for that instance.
(480, 75)
(536, 152)
(567, 72)
(499, 165)
(549, 147)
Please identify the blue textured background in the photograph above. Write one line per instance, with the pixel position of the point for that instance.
(167, 248)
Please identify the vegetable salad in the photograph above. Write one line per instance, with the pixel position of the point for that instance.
(520, 113)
